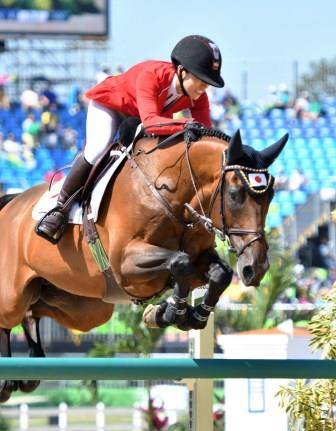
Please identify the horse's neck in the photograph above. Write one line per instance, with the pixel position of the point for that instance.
(206, 162)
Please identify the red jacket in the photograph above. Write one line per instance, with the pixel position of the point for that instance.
(142, 91)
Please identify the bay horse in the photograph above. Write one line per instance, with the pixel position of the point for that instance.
(157, 223)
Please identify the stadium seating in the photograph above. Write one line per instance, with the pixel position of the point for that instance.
(311, 149)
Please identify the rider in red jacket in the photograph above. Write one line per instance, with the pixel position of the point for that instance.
(152, 91)
(143, 92)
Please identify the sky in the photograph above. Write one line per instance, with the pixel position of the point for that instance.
(259, 39)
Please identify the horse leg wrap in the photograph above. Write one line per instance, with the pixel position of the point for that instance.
(181, 269)
(175, 313)
(220, 276)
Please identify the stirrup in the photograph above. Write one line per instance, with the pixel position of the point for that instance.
(60, 230)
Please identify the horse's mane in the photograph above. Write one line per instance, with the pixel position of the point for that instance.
(214, 133)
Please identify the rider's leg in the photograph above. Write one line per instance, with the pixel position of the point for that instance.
(101, 125)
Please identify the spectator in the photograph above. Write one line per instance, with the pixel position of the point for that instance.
(308, 107)
(48, 96)
(31, 131)
(10, 144)
(277, 98)
(4, 99)
(13, 150)
(281, 181)
(102, 74)
(297, 181)
(315, 107)
(29, 99)
(69, 138)
(231, 106)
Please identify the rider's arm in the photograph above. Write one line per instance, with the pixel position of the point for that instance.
(201, 111)
(147, 94)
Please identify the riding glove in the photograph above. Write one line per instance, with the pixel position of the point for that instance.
(192, 131)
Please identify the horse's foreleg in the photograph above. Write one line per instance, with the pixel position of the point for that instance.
(175, 311)
(6, 386)
(31, 329)
(220, 276)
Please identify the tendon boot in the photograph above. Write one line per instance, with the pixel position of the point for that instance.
(53, 224)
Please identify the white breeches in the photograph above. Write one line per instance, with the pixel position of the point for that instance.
(101, 125)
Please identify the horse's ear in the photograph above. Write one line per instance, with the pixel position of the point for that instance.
(235, 150)
(270, 153)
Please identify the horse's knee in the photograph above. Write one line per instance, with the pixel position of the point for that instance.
(180, 265)
(220, 275)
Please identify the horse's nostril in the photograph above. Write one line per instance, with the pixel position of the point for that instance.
(248, 273)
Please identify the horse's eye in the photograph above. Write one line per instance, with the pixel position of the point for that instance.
(235, 196)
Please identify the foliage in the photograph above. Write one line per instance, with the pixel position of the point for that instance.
(258, 312)
(310, 404)
(111, 397)
(320, 79)
(140, 341)
(4, 425)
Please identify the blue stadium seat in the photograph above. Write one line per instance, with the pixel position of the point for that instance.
(273, 220)
(299, 197)
(287, 208)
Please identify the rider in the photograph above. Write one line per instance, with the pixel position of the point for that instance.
(151, 90)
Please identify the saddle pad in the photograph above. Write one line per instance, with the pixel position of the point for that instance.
(49, 199)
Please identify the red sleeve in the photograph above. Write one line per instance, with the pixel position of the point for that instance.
(201, 111)
(147, 91)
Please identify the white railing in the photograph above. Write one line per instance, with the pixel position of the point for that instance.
(59, 418)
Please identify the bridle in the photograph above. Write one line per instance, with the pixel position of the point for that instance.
(202, 218)
(224, 232)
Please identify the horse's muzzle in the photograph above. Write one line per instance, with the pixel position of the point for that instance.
(251, 273)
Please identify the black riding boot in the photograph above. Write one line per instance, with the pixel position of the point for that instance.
(52, 225)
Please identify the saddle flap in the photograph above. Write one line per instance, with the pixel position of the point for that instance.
(49, 199)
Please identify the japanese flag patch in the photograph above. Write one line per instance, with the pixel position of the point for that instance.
(257, 180)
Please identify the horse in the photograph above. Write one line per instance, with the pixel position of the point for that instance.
(157, 223)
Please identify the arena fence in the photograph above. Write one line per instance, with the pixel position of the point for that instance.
(153, 368)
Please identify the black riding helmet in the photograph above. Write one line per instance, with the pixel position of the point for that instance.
(201, 57)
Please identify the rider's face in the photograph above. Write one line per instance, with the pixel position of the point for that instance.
(192, 85)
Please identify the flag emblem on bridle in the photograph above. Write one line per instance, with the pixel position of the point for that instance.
(257, 180)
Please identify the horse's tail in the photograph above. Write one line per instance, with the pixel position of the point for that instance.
(7, 198)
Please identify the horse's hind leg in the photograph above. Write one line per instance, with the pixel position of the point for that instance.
(6, 386)
(31, 329)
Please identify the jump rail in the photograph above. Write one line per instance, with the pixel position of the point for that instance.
(170, 369)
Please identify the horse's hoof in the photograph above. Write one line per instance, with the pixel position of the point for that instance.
(152, 316)
(149, 316)
(191, 322)
(28, 385)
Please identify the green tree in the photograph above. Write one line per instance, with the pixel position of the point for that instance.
(4, 424)
(310, 404)
(320, 78)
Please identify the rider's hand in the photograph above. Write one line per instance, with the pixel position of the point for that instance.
(192, 131)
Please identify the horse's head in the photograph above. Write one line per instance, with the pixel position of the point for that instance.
(247, 190)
